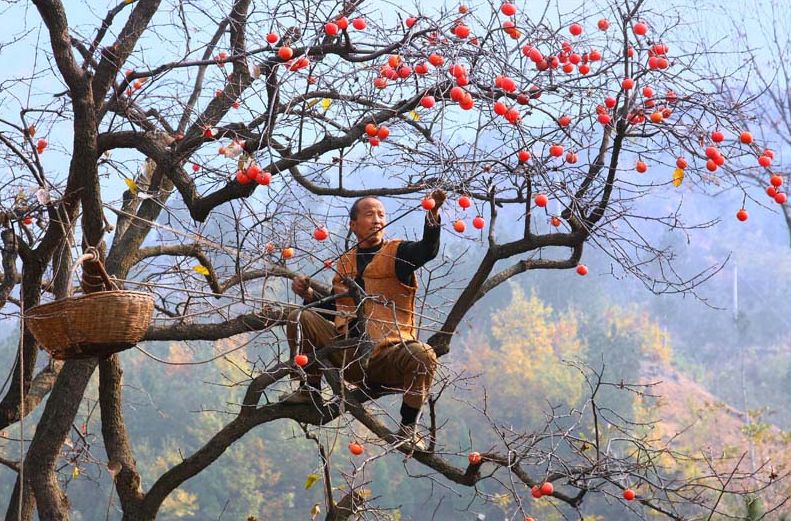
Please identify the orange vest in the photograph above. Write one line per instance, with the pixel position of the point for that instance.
(390, 306)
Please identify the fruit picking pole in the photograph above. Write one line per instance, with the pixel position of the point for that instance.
(355, 245)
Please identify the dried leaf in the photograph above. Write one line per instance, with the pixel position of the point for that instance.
(150, 165)
(233, 150)
(75, 473)
(42, 195)
(200, 268)
(311, 480)
(678, 177)
(312, 103)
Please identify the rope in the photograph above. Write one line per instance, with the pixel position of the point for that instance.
(349, 248)
(236, 251)
(221, 355)
(239, 254)
(252, 299)
(21, 495)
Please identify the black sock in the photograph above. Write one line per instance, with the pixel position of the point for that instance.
(408, 414)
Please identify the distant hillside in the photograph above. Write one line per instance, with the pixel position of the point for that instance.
(696, 421)
(685, 404)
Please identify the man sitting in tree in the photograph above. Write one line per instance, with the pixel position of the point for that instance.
(385, 270)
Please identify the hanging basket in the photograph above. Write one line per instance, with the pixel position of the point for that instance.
(92, 325)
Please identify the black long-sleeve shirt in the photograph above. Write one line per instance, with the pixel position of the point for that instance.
(410, 256)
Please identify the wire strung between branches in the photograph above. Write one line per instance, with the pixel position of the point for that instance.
(202, 362)
(236, 252)
(260, 300)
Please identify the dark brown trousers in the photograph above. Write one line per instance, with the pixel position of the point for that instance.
(407, 367)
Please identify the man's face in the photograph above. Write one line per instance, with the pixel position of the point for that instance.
(369, 224)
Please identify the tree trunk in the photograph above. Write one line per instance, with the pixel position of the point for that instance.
(51, 432)
(137, 514)
(13, 513)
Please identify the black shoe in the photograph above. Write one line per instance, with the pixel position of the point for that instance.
(409, 434)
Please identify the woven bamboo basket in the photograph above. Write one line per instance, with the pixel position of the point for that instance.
(93, 325)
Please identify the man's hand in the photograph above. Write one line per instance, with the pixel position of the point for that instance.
(301, 286)
(439, 198)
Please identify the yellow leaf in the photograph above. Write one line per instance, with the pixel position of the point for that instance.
(75, 473)
(312, 103)
(414, 115)
(312, 478)
(131, 184)
(127, 2)
(200, 268)
(503, 500)
(325, 103)
(678, 177)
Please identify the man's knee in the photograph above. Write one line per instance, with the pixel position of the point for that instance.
(291, 322)
(423, 355)
(298, 325)
(301, 317)
(294, 315)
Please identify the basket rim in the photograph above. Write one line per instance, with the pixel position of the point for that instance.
(35, 310)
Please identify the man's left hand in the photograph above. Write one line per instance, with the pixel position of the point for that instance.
(439, 198)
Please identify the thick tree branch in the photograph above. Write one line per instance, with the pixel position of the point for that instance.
(51, 433)
(10, 410)
(115, 435)
(54, 16)
(11, 464)
(441, 341)
(9, 257)
(116, 55)
(531, 264)
(267, 318)
(220, 442)
(105, 25)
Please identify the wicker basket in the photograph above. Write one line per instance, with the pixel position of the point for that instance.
(97, 324)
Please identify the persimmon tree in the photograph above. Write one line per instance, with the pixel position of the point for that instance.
(764, 94)
(209, 153)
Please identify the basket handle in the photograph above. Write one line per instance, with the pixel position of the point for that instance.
(92, 255)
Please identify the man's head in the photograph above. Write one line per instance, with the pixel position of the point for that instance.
(367, 219)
